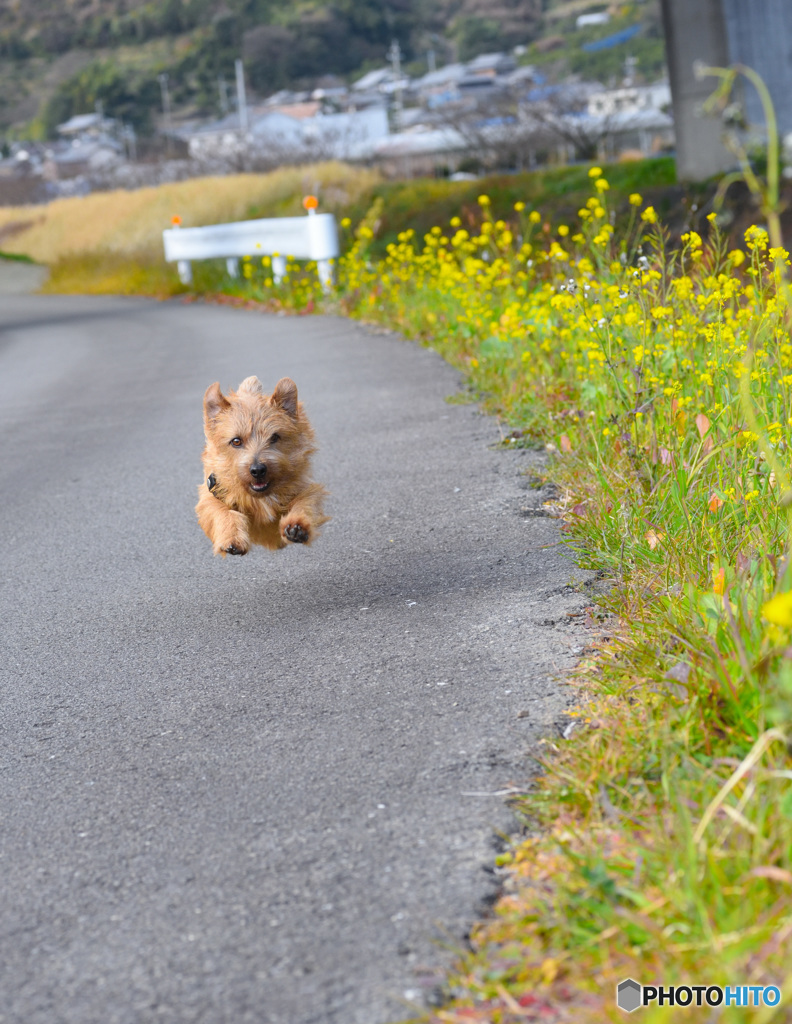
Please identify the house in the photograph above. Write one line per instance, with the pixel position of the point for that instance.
(83, 155)
(490, 65)
(373, 80)
(420, 150)
(634, 118)
(351, 135)
(436, 88)
(587, 20)
(213, 140)
(486, 73)
(86, 124)
(291, 132)
(630, 99)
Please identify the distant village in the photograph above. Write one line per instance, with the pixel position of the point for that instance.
(458, 120)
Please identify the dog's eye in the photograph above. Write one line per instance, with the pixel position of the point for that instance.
(274, 438)
(236, 442)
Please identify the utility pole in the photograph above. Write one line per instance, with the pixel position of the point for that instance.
(222, 88)
(166, 109)
(129, 139)
(241, 100)
(394, 56)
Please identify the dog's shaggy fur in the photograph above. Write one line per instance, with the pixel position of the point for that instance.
(257, 486)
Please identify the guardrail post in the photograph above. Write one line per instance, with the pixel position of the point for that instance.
(278, 268)
(232, 266)
(184, 267)
(326, 277)
(324, 266)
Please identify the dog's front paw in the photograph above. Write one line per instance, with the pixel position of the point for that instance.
(233, 545)
(297, 533)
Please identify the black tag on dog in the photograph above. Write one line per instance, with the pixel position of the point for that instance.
(211, 483)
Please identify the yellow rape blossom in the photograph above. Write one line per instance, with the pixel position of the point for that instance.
(756, 238)
(778, 610)
(693, 238)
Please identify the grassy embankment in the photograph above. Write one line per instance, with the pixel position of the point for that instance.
(663, 827)
(661, 843)
(111, 242)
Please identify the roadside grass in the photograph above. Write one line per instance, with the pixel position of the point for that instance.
(557, 191)
(111, 273)
(660, 842)
(15, 257)
(125, 227)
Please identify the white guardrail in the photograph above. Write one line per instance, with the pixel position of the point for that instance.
(314, 237)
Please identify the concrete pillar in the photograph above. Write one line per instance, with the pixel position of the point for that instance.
(695, 31)
(759, 35)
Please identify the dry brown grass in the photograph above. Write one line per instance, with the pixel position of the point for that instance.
(130, 223)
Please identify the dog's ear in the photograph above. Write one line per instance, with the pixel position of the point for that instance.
(215, 402)
(252, 385)
(285, 396)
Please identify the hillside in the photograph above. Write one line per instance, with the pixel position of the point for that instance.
(60, 57)
(57, 56)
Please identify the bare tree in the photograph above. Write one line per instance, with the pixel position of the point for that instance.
(319, 140)
(563, 113)
(499, 131)
(511, 128)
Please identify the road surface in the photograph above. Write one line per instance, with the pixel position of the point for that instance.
(255, 789)
(18, 278)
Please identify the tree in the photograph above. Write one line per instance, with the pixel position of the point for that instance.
(477, 35)
(515, 128)
(563, 113)
(267, 55)
(122, 96)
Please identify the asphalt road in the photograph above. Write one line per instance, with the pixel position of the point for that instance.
(17, 278)
(255, 789)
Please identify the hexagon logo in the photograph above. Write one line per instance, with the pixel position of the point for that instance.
(628, 995)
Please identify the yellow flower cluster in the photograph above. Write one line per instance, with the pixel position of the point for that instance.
(644, 344)
(608, 341)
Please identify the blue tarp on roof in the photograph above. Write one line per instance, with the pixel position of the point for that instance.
(613, 40)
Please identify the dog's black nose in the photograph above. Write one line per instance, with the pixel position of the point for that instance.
(258, 470)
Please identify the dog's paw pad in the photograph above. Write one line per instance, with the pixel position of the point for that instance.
(296, 533)
(233, 550)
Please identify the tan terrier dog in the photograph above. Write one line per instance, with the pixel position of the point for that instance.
(257, 487)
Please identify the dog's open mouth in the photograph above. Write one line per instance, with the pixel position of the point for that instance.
(260, 488)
